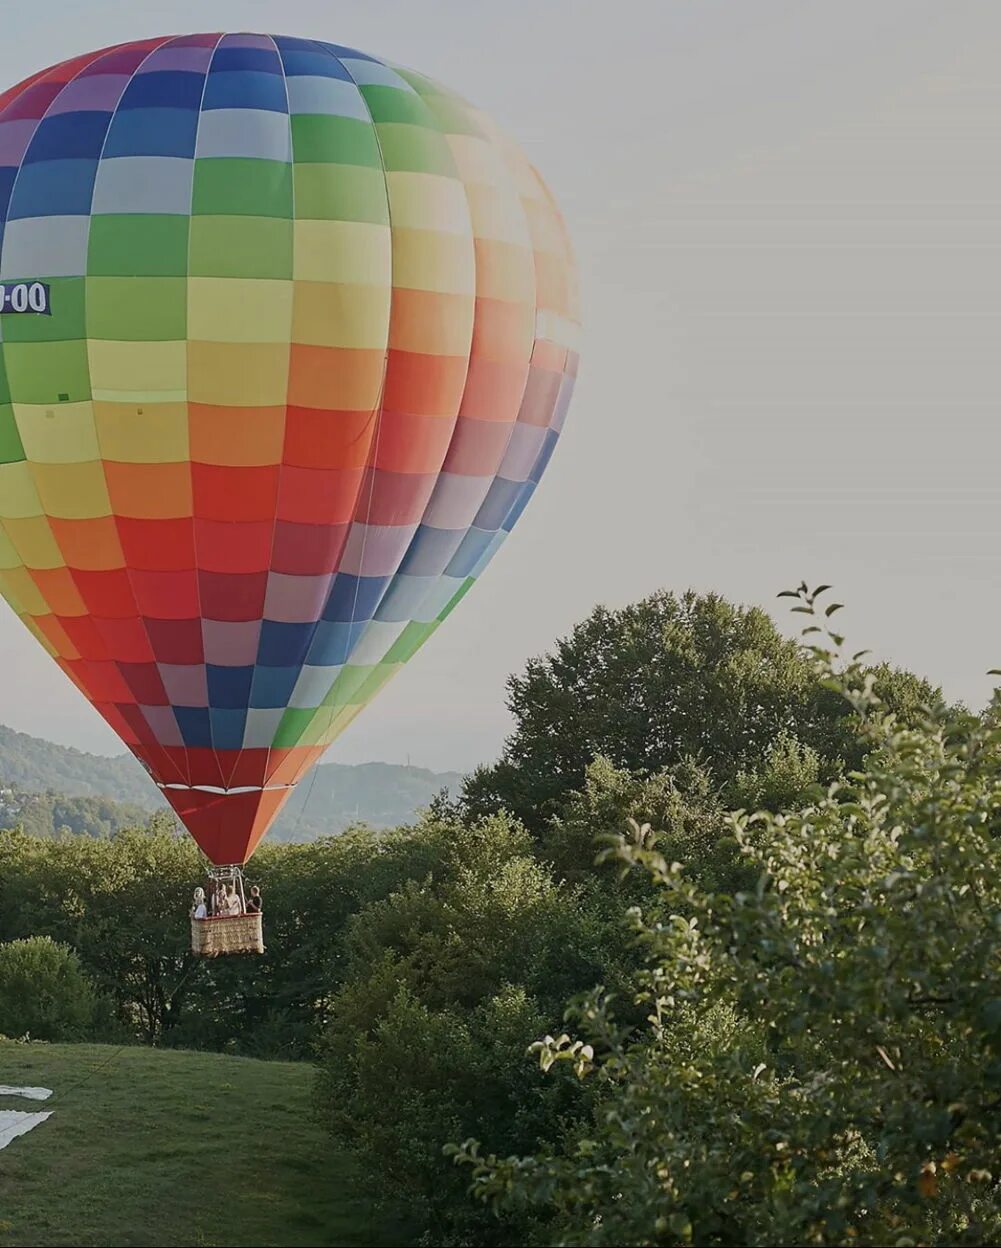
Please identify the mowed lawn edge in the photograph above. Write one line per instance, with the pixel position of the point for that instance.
(170, 1147)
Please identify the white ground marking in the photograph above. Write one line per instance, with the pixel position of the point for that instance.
(31, 1094)
(15, 1122)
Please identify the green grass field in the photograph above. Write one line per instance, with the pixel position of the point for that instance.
(150, 1147)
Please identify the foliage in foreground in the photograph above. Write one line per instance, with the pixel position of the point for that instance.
(821, 1057)
(446, 978)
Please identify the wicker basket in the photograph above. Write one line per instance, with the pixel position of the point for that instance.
(242, 933)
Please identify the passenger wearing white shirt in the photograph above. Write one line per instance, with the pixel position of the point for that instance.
(198, 910)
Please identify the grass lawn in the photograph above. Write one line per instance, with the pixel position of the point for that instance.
(150, 1147)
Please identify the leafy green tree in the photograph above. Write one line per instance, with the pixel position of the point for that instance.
(666, 680)
(821, 1058)
(44, 992)
(122, 904)
(51, 814)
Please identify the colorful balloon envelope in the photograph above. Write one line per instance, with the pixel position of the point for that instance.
(288, 338)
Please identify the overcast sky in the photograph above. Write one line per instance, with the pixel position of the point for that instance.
(788, 223)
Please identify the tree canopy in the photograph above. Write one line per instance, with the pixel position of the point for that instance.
(667, 680)
(820, 1061)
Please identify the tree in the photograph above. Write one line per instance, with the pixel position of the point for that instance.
(663, 681)
(821, 1061)
(44, 992)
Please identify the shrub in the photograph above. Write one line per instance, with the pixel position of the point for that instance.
(44, 991)
(445, 980)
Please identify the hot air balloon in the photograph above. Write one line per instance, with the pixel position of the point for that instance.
(288, 338)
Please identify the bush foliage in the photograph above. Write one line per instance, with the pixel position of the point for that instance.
(44, 991)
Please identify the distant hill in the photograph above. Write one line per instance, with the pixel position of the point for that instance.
(92, 794)
(335, 795)
(38, 766)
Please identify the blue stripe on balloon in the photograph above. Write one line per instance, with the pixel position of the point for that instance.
(314, 64)
(7, 176)
(430, 550)
(169, 88)
(245, 89)
(470, 551)
(354, 597)
(338, 49)
(193, 721)
(545, 455)
(525, 492)
(261, 60)
(497, 503)
(53, 188)
(228, 728)
(68, 136)
(272, 686)
(228, 687)
(283, 645)
(153, 132)
(333, 642)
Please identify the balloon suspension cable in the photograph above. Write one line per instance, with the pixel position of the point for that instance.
(230, 874)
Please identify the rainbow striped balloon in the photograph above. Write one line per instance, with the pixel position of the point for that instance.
(288, 338)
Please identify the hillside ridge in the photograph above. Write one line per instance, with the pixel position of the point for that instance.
(46, 786)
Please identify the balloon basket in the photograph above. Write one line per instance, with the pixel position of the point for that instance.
(214, 937)
(218, 934)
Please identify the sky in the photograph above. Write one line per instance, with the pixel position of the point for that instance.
(787, 219)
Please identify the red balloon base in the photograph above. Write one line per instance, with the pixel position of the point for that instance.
(227, 826)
